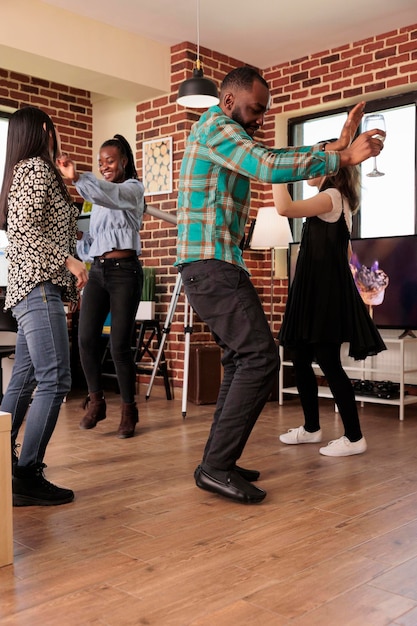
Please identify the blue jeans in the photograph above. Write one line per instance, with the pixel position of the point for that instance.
(223, 297)
(114, 285)
(42, 361)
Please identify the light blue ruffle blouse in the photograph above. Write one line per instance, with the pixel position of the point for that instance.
(116, 216)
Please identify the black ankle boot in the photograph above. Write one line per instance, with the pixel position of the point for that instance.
(30, 488)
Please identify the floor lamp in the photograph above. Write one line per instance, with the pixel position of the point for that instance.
(272, 232)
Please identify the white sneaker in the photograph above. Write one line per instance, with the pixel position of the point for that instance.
(300, 435)
(344, 447)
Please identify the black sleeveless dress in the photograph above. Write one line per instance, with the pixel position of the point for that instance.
(324, 305)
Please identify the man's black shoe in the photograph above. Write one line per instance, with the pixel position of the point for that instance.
(235, 487)
(196, 472)
(248, 474)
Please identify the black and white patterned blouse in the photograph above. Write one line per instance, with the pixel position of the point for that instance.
(41, 229)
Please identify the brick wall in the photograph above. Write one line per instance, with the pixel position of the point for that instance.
(69, 108)
(385, 63)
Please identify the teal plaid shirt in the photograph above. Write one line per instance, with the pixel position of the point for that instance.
(219, 160)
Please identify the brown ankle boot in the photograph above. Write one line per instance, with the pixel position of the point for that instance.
(96, 410)
(130, 418)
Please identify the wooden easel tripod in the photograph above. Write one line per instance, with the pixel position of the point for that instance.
(188, 321)
(188, 329)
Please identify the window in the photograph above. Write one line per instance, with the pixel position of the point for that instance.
(388, 203)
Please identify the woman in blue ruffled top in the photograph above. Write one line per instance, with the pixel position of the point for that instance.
(115, 280)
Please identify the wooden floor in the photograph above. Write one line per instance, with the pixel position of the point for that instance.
(334, 542)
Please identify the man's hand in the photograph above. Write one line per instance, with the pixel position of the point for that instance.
(365, 146)
(349, 129)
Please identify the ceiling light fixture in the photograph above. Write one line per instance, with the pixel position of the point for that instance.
(198, 92)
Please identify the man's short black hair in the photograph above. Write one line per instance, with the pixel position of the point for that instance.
(242, 78)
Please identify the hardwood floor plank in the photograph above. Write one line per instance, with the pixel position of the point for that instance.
(242, 613)
(393, 547)
(406, 619)
(358, 607)
(316, 585)
(401, 579)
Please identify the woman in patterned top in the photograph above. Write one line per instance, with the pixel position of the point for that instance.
(41, 221)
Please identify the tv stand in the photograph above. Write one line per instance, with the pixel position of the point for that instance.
(374, 368)
(407, 333)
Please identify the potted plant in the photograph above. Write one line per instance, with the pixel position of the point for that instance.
(146, 308)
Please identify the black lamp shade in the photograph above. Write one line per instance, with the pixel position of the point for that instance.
(198, 92)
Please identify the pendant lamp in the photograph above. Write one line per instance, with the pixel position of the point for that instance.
(198, 92)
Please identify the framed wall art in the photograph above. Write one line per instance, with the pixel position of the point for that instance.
(157, 166)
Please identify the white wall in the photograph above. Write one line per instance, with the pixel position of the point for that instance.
(52, 43)
(112, 116)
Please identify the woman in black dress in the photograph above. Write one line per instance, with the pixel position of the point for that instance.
(324, 308)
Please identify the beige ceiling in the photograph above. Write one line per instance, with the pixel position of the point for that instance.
(259, 32)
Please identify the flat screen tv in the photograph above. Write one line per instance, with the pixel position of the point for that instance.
(385, 273)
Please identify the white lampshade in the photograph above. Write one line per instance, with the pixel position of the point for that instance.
(271, 230)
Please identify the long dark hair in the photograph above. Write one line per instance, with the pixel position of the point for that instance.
(125, 150)
(28, 136)
(348, 182)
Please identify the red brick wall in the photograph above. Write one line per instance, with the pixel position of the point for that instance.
(69, 108)
(357, 70)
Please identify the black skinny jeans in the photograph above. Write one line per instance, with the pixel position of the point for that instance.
(328, 358)
(223, 296)
(114, 285)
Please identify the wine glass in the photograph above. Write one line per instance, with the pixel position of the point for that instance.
(375, 120)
